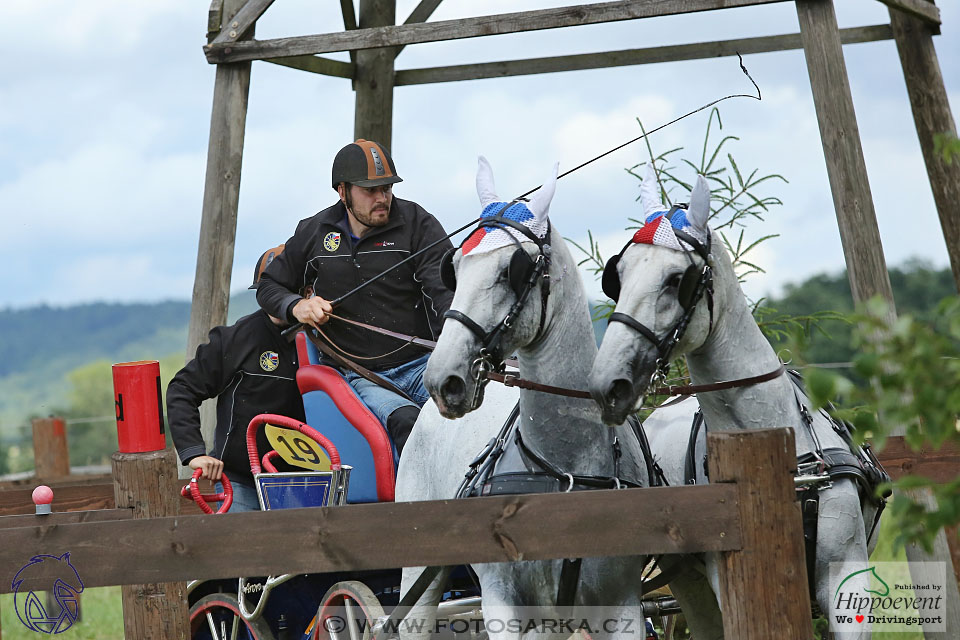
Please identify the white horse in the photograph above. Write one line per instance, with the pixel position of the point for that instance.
(658, 278)
(552, 335)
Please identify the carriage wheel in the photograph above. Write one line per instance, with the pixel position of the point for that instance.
(217, 617)
(348, 611)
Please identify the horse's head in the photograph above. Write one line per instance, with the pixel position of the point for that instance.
(658, 279)
(501, 282)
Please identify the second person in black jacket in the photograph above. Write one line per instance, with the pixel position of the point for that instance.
(345, 245)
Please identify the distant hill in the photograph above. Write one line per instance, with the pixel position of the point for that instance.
(42, 344)
(917, 289)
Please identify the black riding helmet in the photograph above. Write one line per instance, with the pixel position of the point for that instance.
(365, 164)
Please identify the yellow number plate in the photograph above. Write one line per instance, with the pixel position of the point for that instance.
(297, 449)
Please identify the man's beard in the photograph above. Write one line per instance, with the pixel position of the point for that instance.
(366, 218)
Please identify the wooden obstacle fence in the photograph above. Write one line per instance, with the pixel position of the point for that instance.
(748, 514)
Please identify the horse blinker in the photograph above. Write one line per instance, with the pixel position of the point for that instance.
(448, 275)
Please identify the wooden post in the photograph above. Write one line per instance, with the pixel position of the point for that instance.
(931, 115)
(373, 113)
(859, 233)
(763, 587)
(147, 482)
(221, 195)
(50, 456)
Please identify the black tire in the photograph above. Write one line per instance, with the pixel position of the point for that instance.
(348, 611)
(217, 617)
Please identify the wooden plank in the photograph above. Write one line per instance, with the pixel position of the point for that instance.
(349, 24)
(67, 498)
(242, 21)
(627, 57)
(392, 36)
(420, 13)
(50, 456)
(373, 81)
(317, 64)
(932, 116)
(221, 195)
(763, 586)
(840, 136)
(68, 481)
(923, 9)
(349, 17)
(73, 497)
(214, 17)
(68, 517)
(941, 466)
(146, 484)
(580, 524)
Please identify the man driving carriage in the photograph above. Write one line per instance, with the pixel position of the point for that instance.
(365, 233)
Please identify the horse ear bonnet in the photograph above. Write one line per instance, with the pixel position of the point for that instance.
(518, 272)
(448, 275)
(610, 282)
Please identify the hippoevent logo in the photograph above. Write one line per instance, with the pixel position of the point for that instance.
(894, 597)
(61, 579)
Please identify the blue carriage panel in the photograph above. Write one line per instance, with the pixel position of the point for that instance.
(288, 490)
(334, 409)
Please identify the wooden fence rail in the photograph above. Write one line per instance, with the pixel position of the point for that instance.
(742, 516)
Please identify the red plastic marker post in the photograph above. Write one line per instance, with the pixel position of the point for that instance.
(138, 401)
(42, 497)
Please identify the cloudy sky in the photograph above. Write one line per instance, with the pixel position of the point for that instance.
(105, 111)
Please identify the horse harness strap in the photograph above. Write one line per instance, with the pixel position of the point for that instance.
(481, 479)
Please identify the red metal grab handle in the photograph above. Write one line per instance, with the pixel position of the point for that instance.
(289, 423)
(192, 490)
(268, 460)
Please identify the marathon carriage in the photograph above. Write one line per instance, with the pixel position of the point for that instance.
(348, 459)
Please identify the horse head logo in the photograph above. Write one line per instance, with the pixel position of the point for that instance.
(65, 584)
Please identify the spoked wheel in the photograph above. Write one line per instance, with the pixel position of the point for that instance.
(348, 611)
(217, 617)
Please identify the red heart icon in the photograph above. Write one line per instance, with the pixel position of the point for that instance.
(859, 618)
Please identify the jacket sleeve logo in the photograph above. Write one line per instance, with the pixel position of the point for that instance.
(269, 360)
(331, 241)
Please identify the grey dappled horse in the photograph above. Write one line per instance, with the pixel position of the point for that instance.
(721, 344)
(553, 338)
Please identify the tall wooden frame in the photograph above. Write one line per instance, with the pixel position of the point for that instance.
(374, 41)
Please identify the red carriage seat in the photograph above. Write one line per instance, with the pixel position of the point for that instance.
(334, 409)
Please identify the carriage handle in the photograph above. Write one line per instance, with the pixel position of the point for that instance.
(289, 423)
(192, 490)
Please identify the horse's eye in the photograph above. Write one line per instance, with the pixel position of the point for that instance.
(673, 281)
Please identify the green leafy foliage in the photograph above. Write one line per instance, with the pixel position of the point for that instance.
(907, 382)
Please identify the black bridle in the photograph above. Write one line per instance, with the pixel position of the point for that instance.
(668, 342)
(490, 356)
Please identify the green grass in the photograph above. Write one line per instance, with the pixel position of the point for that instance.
(101, 618)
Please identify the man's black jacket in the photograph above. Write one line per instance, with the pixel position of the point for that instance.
(410, 299)
(251, 369)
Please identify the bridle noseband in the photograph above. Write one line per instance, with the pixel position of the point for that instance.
(704, 285)
(490, 356)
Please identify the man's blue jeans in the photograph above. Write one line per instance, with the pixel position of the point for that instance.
(382, 402)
